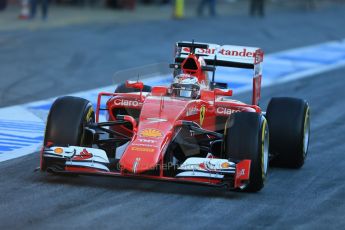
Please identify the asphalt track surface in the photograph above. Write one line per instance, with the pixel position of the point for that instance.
(309, 198)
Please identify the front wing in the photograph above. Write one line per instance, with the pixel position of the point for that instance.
(195, 170)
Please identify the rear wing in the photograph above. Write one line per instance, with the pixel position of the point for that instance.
(227, 56)
(221, 55)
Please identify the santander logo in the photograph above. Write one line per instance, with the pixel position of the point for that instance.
(236, 53)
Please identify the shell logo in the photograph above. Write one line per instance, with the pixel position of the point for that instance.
(58, 150)
(151, 133)
(225, 165)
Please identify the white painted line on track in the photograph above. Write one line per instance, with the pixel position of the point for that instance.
(22, 126)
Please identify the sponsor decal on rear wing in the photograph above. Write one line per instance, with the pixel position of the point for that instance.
(222, 55)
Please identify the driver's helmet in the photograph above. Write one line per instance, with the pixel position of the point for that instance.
(185, 85)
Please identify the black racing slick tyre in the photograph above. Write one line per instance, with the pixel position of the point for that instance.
(66, 121)
(289, 123)
(246, 136)
(123, 89)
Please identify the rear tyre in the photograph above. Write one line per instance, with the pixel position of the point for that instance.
(66, 121)
(123, 89)
(289, 124)
(246, 136)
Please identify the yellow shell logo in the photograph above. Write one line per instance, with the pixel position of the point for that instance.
(58, 150)
(225, 165)
(151, 133)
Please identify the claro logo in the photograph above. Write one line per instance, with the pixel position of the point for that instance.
(225, 111)
(123, 102)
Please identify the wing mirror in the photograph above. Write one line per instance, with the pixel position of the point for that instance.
(218, 85)
(135, 84)
(222, 92)
(159, 91)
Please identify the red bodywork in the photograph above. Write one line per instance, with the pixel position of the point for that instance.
(161, 114)
(153, 137)
(158, 118)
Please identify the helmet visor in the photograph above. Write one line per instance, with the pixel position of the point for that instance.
(185, 93)
(185, 90)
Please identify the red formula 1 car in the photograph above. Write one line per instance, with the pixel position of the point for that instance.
(190, 132)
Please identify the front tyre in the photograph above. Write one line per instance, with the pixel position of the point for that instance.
(246, 136)
(65, 124)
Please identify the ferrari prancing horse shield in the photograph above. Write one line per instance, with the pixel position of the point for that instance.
(202, 114)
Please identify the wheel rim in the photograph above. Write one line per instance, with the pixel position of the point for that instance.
(306, 133)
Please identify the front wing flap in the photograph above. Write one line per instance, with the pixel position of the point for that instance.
(75, 157)
(214, 168)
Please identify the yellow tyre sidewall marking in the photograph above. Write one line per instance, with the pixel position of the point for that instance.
(306, 118)
(88, 118)
(263, 149)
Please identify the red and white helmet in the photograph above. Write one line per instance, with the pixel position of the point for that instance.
(186, 85)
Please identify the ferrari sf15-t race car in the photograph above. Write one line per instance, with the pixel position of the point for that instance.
(192, 131)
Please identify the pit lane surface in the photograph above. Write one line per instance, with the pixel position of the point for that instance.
(308, 198)
(312, 197)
